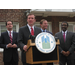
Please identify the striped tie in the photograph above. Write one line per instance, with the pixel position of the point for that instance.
(10, 37)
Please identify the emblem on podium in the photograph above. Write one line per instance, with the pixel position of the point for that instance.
(45, 42)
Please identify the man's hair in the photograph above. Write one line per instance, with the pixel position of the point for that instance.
(42, 21)
(30, 14)
(8, 21)
(65, 22)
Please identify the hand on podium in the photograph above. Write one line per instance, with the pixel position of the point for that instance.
(25, 48)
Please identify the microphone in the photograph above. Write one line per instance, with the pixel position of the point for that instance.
(32, 38)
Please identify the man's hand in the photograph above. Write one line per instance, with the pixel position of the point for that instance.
(25, 48)
(9, 45)
(14, 46)
(64, 53)
(67, 53)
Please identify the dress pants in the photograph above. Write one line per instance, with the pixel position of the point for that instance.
(12, 62)
(65, 60)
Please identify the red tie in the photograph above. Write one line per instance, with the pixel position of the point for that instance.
(10, 37)
(32, 31)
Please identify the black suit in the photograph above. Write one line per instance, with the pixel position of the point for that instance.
(23, 37)
(68, 45)
(9, 54)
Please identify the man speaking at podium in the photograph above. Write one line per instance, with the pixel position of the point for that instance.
(24, 33)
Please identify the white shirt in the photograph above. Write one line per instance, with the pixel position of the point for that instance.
(11, 33)
(30, 27)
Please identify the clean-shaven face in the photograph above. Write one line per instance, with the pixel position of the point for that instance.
(31, 20)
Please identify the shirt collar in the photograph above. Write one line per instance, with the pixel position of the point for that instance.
(9, 31)
(30, 26)
(42, 30)
(65, 31)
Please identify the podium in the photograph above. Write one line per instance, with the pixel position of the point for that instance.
(34, 56)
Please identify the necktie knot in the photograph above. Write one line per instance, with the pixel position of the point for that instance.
(31, 28)
(10, 32)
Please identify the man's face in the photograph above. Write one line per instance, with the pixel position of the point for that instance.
(9, 25)
(44, 25)
(64, 26)
(31, 20)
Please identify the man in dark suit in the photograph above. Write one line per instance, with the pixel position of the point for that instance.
(44, 25)
(67, 43)
(24, 33)
(9, 44)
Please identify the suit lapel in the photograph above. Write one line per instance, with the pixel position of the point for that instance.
(27, 30)
(7, 35)
(34, 30)
(67, 34)
(13, 37)
(61, 36)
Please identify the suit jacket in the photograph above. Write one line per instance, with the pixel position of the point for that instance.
(48, 32)
(23, 37)
(9, 53)
(69, 44)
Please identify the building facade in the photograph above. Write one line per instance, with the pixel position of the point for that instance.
(53, 16)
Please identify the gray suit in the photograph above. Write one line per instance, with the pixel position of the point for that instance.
(68, 45)
(23, 37)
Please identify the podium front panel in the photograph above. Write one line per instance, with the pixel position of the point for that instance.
(39, 56)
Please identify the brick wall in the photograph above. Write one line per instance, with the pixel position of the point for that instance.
(15, 15)
(1, 58)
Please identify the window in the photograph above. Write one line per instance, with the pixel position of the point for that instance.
(3, 29)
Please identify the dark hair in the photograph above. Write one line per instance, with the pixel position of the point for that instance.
(42, 21)
(30, 14)
(65, 22)
(8, 21)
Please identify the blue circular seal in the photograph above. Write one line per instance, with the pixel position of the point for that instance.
(45, 42)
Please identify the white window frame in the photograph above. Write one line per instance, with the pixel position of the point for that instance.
(49, 25)
(17, 29)
(70, 23)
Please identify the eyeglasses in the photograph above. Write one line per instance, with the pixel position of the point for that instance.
(9, 24)
(64, 25)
